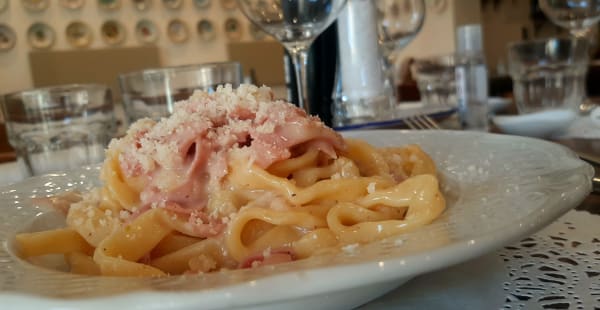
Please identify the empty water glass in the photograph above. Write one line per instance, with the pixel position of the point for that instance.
(436, 79)
(548, 74)
(60, 127)
(153, 92)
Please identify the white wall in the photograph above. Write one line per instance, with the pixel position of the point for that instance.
(437, 35)
(14, 67)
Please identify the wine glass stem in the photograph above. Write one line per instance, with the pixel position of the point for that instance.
(391, 67)
(299, 59)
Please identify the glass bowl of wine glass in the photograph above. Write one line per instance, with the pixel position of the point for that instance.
(578, 16)
(296, 24)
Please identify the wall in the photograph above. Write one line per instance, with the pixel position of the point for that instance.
(504, 23)
(437, 34)
(467, 12)
(437, 37)
(14, 67)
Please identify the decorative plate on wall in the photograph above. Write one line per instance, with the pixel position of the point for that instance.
(109, 5)
(206, 30)
(256, 32)
(146, 31)
(40, 36)
(228, 4)
(3, 5)
(178, 31)
(202, 4)
(79, 34)
(72, 4)
(172, 4)
(35, 5)
(112, 32)
(8, 38)
(233, 29)
(142, 5)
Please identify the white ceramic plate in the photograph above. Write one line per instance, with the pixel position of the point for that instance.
(40, 35)
(202, 4)
(205, 30)
(539, 124)
(79, 34)
(142, 5)
(404, 110)
(178, 31)
(109, 5)
(172, 4)
(233, 29)
(35, 5)
(113, 32)
(146, 31)
(498, 104)
(499, 188)
(8, 38)
(72, 4)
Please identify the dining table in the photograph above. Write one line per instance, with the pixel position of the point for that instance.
(557, 267)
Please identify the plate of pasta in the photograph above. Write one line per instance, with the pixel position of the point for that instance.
(238, 200)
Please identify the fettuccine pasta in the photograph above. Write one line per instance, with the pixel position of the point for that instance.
(236, 179)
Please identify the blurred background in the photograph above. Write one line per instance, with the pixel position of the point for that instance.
(25, 66)
(46, 43)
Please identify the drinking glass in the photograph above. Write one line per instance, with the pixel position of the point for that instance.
(60, 127)
(436, 79)
(398, 23)
(578, 16)
(152, 93)
(296, 24)
(548, 74)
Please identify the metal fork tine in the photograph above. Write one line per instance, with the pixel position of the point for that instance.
(420, 122)
(432, 124)
(423, 123)
(411, 123)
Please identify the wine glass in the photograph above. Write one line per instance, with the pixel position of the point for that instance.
(398, 23)
(578, 16)
(296, 24)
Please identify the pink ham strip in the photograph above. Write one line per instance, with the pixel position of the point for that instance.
(277, 256)
(212, 131)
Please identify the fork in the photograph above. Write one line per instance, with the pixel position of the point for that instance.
(420, 122)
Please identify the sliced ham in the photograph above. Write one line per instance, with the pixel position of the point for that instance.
(182, 158)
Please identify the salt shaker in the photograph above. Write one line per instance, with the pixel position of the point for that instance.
(471, 79)
(363, 91)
